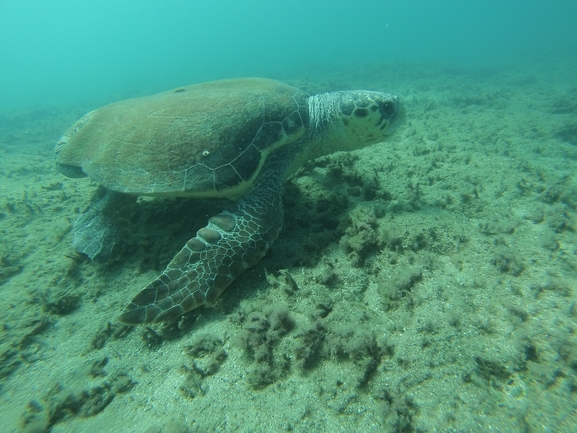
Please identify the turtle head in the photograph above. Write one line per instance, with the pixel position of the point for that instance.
(353, 119)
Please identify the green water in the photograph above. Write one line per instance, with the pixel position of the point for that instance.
(424, 284)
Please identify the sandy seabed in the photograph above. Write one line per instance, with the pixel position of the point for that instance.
(425, 284)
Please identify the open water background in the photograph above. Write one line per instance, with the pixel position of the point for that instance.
(63, 52)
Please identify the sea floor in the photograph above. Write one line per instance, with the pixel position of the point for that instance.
(425, 284)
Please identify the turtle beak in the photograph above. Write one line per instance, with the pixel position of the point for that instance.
(70, 170)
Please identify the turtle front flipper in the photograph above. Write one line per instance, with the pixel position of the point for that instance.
(99, 230)
(230, 243)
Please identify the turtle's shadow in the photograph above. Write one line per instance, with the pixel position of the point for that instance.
(160, 227)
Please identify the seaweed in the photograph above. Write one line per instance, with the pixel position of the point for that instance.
(60, 403)
(507, 261)
(260, 334)
(349, 342)
(397, 290)
(206, 356)
(308, 351)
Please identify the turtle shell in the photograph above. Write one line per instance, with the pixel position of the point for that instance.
(208, 139)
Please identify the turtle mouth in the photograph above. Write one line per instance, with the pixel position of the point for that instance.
(70, 170)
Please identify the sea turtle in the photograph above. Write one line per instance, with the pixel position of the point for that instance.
(237, 139)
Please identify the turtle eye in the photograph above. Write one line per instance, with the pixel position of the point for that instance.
(387, 109)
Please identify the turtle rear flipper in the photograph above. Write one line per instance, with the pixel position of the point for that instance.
(99, 231)
(231, 242)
